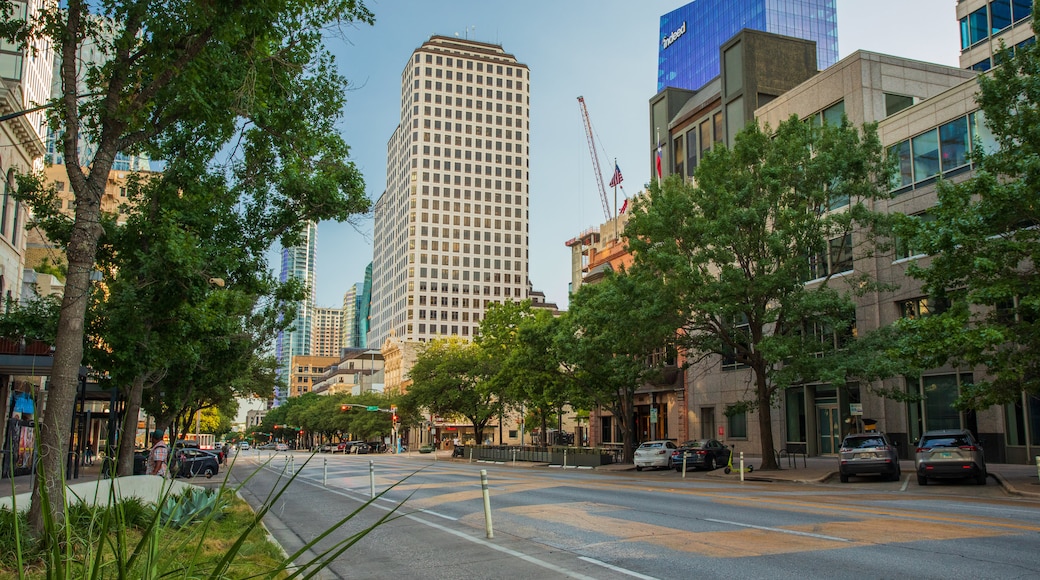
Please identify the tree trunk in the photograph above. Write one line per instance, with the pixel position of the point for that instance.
(765, 420)
(128, 436)
(56, 425)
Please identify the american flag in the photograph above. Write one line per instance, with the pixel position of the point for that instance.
(617, 179)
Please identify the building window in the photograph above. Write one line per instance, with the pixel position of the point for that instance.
(739, 337)
(974, 28)
(736, 419)
(922, 306)
(938, 394)
(904, 247)
(895, 103)
(680, 156)
(837, 259)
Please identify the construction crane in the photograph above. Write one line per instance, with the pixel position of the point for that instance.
(595, 159)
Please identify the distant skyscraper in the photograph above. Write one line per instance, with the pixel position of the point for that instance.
(688, 46)
(349, 328)
(450, 232)
(326, 339)
(298, 262)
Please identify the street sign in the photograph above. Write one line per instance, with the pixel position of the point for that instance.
(855, 408)
(373, 408)
(653, 415)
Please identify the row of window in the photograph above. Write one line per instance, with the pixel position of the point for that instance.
(436, 137)
(480, 80)
(435, 273)
(470, 65)
(476, 168)
(430, 111)
(465, 288)
(938, 151)
(467, 181)
(991, 19)
(465, 193)
(443, 330)
(988, 63)
(443, 246)
(436, 98)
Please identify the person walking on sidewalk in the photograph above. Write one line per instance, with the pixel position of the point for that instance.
(158, 456)
(88, 453)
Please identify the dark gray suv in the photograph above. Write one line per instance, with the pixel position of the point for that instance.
(869, 452)
(950, 453)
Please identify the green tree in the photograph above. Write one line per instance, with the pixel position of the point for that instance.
(606, 340)
(180, 83)
(737, 247)
(984, 246)
(450, 377)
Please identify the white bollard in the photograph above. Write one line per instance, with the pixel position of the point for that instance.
(325, 471)
(514, 458)
(741, 467)
(372, 478)
(565, 459)
(487, 504)
(684, 465)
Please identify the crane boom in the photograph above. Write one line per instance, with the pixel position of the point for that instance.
(595, 158)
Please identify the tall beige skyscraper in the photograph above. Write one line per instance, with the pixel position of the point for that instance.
(451, 229)
(326, 335)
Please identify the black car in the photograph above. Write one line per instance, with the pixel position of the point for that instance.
(189, 462)
(700, 454)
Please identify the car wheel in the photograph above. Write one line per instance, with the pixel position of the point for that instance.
(726, 471)
(208, 472)
(710, 465)
(844, 477)
(750, 468)
(922, 480)
(639, 468)
(980, 479)
(895, 476)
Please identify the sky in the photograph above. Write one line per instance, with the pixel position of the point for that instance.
(604, 50)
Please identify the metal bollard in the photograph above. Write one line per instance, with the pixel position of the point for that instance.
(487, 504)
(741, 467)
(514, 458)
(372, 478)
(471, 454)
(565, 459)
(325, 472)
(684, 465)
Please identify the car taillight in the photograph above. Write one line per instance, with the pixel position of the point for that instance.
(701, 452)
(969, 448)
(923, 449)
(661, 452)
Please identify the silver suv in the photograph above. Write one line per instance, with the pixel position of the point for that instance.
(868, 453)
(950, 453)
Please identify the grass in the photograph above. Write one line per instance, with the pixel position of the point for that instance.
(258, 556)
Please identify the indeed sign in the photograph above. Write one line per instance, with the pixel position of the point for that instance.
(668, 40)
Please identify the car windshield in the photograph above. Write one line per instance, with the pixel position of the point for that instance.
(651, 445)
(694, 444)
(946, 441)
(862, 442)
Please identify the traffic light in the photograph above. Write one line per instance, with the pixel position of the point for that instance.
(393, 413)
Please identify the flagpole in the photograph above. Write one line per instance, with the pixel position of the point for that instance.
(615, 201)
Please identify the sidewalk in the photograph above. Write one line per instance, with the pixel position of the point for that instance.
(1019, 480)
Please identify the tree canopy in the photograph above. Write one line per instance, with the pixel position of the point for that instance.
(751, 248)
(185, 84)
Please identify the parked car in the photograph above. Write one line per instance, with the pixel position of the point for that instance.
(243, 446)
(189, 462)
(428, 448)
(281, 447)
(360, 447)
(266, 446)
(654, 454)
(326, 448)
(871, 452)
(347, 446)
(950, 453)
(704, 454)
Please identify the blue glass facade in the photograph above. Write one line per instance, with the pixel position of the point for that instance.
(688, 47)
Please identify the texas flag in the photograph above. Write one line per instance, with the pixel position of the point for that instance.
(624, 206)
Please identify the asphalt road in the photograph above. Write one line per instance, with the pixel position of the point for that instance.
(554, 523)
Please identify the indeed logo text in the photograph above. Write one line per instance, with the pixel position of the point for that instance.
(668, 40)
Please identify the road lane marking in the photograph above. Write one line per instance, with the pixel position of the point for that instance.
(618, 569)
(779, 530)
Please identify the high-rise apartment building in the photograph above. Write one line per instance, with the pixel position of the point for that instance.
(688, 49)
(297, 262)
(451, 228)
(326, 337)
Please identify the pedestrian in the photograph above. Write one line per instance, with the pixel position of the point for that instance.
(88, 453)
(158, 456)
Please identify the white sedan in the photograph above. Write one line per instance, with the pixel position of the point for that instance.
(654, 454)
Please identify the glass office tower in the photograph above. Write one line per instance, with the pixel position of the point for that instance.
(688, 47)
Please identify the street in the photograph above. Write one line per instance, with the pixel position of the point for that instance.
(553, 523)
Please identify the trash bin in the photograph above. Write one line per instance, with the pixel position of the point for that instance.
(140, 463)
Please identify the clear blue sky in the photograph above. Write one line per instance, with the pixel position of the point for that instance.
(604, 50)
